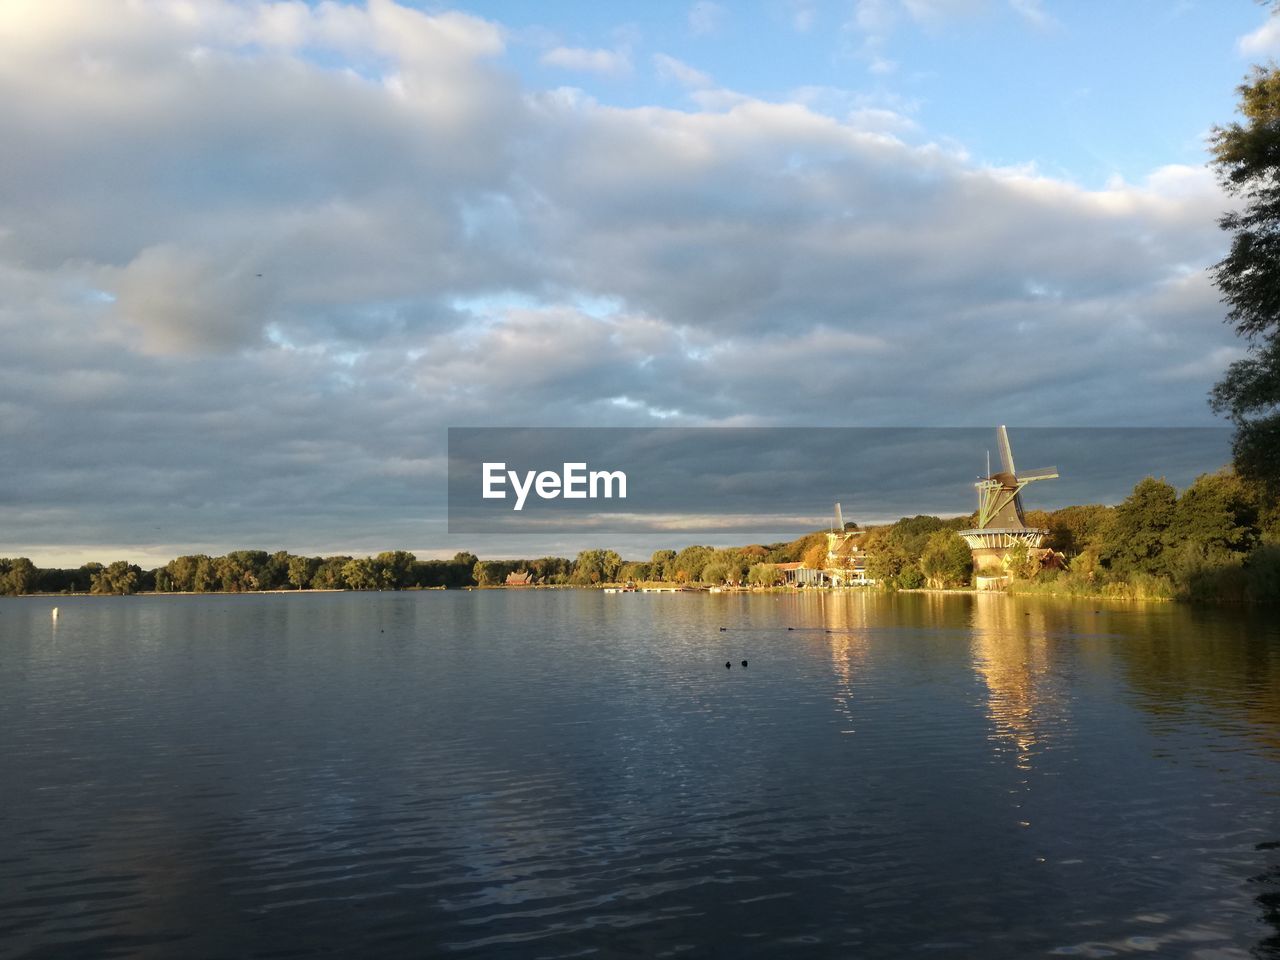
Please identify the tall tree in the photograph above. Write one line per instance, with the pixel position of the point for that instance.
(1216, 513)
(947, 560)
(302, 569)
(1136, 538)
(1247, 158)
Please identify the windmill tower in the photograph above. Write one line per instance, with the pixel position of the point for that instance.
(1001, 522)
(845, 561)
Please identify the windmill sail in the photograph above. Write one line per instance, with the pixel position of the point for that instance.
(1000, 494)
(839, 519)
(1044, 473)
(1006, 451)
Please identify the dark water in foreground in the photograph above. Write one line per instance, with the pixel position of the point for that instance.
(557, 774)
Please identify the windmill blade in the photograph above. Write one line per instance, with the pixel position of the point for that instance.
(1044, 473)
(1006, 452)
(839, 519)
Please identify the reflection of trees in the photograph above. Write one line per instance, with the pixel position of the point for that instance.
(1222, 665)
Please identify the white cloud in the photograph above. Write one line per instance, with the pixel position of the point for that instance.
(875, 16)
(1034, 13)
(1262, 42)
(803, 15)
(672, 69)
(879, 119)
(706, 17)
(591, 61)
(934, 11)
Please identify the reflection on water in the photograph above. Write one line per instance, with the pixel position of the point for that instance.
(557, 773)
(1010, 655)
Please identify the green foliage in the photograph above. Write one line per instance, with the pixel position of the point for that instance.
(1139, 586)
(912, 533)
(595, 566)
(688, 564)
(1247, 157)
(815, 557)
(445, 573)
(1217, 513)
(947, 560)
(1086, 564)
(328, 575)
(54, 580)
(763, 575)
(662, 565)
(1021, 564)
(795, 550)
(717, 572)
(635, 572)
(301, 570)
(487, 573)
(886, 558)
(1071, 529)
(395, 569)
(551, 569)
(17, 576)
(1135, 539)
(361, 573)
(120, 577)
(910, 578)
(1262, 567)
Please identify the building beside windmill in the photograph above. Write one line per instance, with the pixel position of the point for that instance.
(1001, 522)
(846, 560)
(845, 564)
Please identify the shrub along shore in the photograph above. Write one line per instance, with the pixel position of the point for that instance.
(1217, 540)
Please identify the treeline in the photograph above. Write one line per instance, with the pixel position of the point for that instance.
(1218, 539)
(243, 571)
(695, 564)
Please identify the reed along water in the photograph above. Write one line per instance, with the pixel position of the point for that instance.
(572, 773)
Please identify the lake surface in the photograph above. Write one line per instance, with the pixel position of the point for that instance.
(571, 774)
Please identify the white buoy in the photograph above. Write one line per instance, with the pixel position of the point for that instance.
(55, 613)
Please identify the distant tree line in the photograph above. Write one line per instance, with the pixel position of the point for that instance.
(693, 565)
(242, 571)
(1218, 539)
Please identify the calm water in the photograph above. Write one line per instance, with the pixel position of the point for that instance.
(564, 774)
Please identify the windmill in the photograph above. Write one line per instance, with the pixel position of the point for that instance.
(1000, 494)
(845, 562)
(1001, 522)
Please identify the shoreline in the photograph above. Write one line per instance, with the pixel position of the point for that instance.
(613, 589)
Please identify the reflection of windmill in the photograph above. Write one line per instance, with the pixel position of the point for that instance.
(1001, 523)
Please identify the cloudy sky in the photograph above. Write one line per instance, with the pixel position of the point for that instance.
(257, 257)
